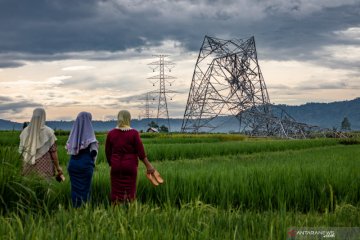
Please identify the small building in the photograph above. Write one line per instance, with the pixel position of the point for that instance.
(151, 129)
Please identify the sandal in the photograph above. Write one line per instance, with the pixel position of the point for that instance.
(155, 178)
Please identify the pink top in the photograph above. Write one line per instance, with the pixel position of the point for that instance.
(121, 142)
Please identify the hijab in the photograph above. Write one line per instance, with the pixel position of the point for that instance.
(124, 119)
(36, 139)
(82, 134)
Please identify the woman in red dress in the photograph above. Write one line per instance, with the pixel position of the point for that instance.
(123, 149)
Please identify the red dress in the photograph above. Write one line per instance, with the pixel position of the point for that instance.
(123, 148)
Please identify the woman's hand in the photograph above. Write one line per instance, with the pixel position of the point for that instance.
(150, 170)
(59, 170)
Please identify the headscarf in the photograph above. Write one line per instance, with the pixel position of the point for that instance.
(36, 139)
(81, 135)
(124, 119)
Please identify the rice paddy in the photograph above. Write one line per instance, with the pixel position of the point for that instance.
(218, 186)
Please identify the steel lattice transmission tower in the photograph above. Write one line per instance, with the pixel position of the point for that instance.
(162, 79)
(147, 107)
(227, 81)
(147, 98)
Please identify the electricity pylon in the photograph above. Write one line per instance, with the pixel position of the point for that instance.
(227, 81)
(147, 98)
(162, 79)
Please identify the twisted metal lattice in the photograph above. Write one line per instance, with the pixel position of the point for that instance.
(227, 81)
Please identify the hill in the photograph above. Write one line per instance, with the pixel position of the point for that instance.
(326, 115)
(9, 125)
(98, 125)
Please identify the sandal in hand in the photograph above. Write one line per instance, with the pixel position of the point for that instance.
(154, 177)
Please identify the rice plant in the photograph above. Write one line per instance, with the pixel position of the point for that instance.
(214, 189)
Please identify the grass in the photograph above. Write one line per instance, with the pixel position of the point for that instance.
(302, 180)
(174, 147)
(217, 187)
(194, 220)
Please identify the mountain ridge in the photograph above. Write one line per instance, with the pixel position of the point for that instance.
(325, 115)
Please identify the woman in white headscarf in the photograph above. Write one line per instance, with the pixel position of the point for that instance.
(38, 147)
(83, 148)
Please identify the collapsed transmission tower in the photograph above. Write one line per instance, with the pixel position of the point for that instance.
(162, 79)
(227, 81)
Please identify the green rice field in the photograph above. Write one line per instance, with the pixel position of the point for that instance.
(217, 186)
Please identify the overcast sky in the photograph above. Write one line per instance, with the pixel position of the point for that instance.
(92, 55)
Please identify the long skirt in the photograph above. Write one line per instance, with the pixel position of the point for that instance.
(80, 168)
(123, 177)
(44, 166)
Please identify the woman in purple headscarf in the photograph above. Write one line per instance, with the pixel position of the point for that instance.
(83, 147)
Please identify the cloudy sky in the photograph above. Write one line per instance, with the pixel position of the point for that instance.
(74, 55)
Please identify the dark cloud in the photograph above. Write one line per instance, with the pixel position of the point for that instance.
(285, 92)
(314, 84)
(50, 27)
(283, 29)
(150, 97)
(67, 103)
(94, 83)
(18, 106)
(5, 99)
(47, 10)
(321, 85)
(10, 64)
(303, 40)
(277, 86)
(127, 99)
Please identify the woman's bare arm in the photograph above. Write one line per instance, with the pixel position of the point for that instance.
(149, 167)
(55, 158)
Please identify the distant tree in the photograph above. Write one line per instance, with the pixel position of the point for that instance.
(345, 124)
(25, 124)
(164, 128)
(153, 125)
